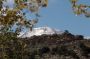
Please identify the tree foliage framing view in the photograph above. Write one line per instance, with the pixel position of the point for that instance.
(79, 9)
(15, 16)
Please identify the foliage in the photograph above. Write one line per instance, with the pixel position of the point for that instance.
(79, 9)
(45, 46)
(10, 46)
(10, 16)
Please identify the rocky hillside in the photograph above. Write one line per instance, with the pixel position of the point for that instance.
(56, 46)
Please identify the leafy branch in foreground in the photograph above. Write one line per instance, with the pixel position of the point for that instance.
(10, 17)
(14, 16)
(79, 9)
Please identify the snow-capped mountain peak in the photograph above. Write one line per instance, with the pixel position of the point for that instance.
(87, 37)
(40, 31)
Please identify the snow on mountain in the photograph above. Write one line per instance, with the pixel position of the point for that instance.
(40, 31)
(87, 37)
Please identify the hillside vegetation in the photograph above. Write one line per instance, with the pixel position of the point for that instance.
(63, 46)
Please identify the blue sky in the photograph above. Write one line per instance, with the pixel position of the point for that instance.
(59, 15)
